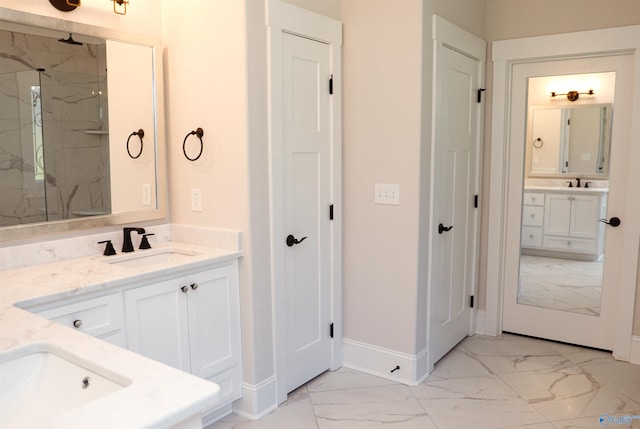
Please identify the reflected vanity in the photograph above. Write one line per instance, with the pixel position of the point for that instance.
(72, 99)
(565, 195)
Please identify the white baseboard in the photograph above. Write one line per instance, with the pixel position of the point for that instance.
(634, 356)
(480, 322)
(379, 361)
(257, 400)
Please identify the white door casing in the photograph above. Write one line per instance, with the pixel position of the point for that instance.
(458, 65)
(284, 22)
(504, 199)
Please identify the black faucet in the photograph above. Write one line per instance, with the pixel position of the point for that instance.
(577, 182)
(127, 245)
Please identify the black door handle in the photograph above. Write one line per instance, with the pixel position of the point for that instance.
(442, 228)
(614, 221)
(291, 240)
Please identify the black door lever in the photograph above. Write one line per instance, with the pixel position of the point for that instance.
(442, 228)
(614, 221)
(291, 240)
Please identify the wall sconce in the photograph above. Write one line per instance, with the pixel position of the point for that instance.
(573, 95)
(120, 6)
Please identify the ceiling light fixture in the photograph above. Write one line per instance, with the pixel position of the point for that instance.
(120, 6)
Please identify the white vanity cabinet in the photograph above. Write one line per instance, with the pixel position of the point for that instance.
(192, 323)
(532, 219)
(98, 316)
(571, 222)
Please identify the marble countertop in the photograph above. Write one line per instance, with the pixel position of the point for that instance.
(158, 396)
(567, 189)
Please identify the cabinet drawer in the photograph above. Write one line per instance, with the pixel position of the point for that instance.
(531, 236)
(96, 317)
(568, 244)
(533, 199)
(532, 215)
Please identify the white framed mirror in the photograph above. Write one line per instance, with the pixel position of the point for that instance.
(72, 156)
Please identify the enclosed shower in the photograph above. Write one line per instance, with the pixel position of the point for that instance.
(54, 151)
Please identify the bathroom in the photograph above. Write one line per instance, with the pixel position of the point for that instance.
(221, 86)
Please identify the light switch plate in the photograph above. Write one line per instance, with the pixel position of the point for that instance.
(146, 194)
(385, 193)
(196, 199)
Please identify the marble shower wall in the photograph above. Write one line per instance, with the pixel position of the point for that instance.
(73, 97)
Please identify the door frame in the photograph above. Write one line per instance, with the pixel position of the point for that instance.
(507, 53)
(285, 18)
(447, 34)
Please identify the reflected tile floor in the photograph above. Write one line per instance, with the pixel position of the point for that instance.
(561, 284)
(485, 382)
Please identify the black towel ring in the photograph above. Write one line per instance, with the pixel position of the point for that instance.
(140, 134)
(538, 143)
(199, 132)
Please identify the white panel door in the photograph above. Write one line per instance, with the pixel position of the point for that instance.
(457, 131)
(306, 173)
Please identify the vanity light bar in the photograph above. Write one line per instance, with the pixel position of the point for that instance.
(119, 6)
(573, 95)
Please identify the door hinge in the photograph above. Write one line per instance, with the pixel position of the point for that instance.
(331, 212)
(475, 201)
(480, 91)
(331, 329)
(471, 301)
(331, 85)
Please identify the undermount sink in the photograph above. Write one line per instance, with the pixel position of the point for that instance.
(40, 381)
(143, 258)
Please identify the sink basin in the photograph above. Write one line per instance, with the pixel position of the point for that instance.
(143, 258)
(40, 382)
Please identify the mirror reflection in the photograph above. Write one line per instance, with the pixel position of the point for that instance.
(572, 140)
(565, 195)
(60, 158)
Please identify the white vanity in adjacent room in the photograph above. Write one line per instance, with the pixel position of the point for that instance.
(563, 222)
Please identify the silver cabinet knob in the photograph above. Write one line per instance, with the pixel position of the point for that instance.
(184, 289)
(194, 286)
(77, 323)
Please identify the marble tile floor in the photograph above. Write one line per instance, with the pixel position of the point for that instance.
(484, 382)
(561, 284)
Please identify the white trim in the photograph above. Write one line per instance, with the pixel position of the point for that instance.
(634, 356)
(257, 400)
(480, 322)
(379, 361)
(571, 45)
(283, 17)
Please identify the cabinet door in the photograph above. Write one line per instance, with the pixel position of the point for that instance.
(156, 322)
(584, 216)
(214, 320)
(557, 214)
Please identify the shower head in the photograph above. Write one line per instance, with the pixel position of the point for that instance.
(70, 41)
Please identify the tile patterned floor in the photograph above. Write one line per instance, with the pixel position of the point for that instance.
(562, 284)
(485, 382)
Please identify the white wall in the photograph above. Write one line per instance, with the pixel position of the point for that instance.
(142, 17)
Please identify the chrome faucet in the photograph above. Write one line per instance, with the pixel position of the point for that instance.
(127, 245)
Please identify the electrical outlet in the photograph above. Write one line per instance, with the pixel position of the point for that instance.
(387, 194)
(146, 194)
(196, 200)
